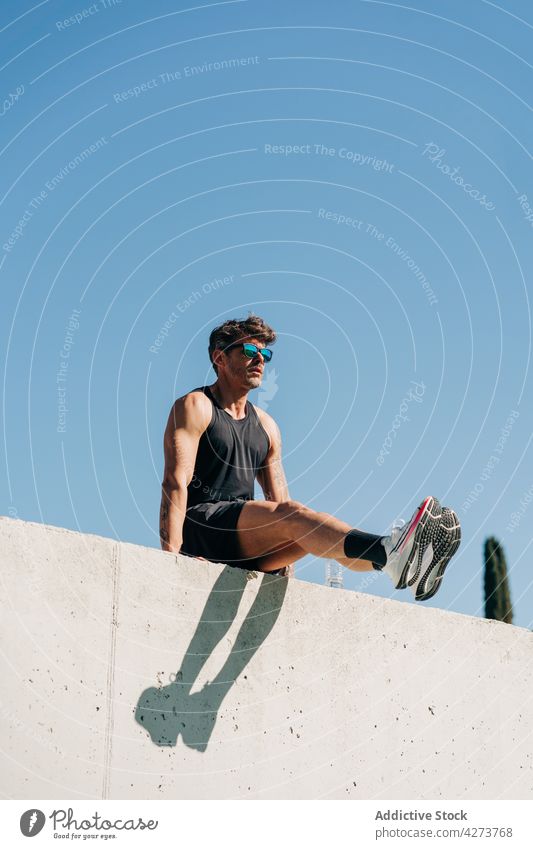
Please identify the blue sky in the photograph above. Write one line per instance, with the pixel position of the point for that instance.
(357, 173)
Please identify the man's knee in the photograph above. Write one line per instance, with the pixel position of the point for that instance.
(291, 510)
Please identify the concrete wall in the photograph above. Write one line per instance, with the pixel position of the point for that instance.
(130, 673)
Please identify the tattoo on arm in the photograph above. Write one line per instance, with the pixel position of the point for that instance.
(271, 476)
(163, 519)
(280, 479)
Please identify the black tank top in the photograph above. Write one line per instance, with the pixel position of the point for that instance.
(230, 452)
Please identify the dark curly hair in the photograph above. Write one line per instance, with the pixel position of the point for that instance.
(234, 330)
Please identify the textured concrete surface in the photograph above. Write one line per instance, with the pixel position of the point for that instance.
(131, 673)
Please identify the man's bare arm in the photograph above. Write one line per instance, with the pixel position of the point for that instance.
(188, 419)
(271, 476)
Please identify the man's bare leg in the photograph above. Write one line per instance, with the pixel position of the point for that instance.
(414, 555)
(270, 530)
(289, 554)
(286, 555)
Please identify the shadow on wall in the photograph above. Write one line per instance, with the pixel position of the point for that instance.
(168, 711)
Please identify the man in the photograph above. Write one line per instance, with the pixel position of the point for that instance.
(217, 443)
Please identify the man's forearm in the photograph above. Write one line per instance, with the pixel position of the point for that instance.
(171, 518)
(277, 489)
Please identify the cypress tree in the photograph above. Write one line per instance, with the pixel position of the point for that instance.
(497, 594)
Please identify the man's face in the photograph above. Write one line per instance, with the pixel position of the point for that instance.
(242, 370)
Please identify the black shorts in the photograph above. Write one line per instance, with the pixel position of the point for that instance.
(210, 531)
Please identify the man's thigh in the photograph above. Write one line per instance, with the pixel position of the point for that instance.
(262, 528)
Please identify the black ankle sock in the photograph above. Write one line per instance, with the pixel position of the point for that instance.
(358, 544)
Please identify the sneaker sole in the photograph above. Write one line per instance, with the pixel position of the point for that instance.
(424, 526)
(455, 542)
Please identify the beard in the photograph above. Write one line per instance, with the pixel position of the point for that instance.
(243, 374)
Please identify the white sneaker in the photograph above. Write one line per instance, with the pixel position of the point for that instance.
(446, 540)
(409, 547)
